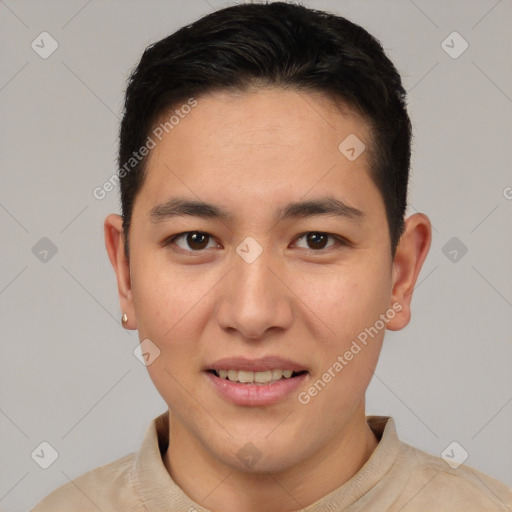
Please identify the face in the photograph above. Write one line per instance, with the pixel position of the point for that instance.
(258, 250)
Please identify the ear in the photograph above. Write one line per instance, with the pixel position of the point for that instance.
(409, 257)
(114, 242)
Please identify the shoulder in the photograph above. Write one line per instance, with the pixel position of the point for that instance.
(434, 485)
(104, 488)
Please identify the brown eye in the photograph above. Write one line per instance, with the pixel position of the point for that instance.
(317, 240)
(197, 241)
(194, 241)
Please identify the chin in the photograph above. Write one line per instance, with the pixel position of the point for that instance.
(256, 455)
(274, 464)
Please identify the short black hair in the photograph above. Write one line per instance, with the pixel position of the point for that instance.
(272, 44)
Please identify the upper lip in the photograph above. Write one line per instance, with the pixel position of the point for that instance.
(256, 365)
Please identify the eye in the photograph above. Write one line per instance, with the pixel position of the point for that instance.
(317, 240)
(193, 241)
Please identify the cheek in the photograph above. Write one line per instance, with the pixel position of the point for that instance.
(164, 300)
(350, 305)
(171, 311)
(346, 300)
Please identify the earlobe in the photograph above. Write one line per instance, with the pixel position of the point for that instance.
(409, 257)
(114, 242)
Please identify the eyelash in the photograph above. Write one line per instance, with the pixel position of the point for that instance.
(340, 241)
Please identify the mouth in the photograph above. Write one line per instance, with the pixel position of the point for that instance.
(258, 382)
(260, 378)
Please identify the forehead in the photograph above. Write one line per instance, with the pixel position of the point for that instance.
(267, 120)
(265, 143)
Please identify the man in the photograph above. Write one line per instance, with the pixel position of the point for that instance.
(262, 252)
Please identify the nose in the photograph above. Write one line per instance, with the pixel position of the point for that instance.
(254, 301)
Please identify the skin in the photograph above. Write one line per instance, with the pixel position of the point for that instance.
(252, 154)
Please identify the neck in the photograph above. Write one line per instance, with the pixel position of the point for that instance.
(218, 486)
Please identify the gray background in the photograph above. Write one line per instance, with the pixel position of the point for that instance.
(67, 372)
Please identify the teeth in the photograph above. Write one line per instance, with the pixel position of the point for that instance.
(263, 377)
(243, 376)
(277, 374)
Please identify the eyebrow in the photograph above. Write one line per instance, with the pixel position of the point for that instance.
(325, 206)
(181, 207)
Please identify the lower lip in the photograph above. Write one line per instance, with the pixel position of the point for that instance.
(254, 394)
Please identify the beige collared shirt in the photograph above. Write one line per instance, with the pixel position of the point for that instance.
(397, 477)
